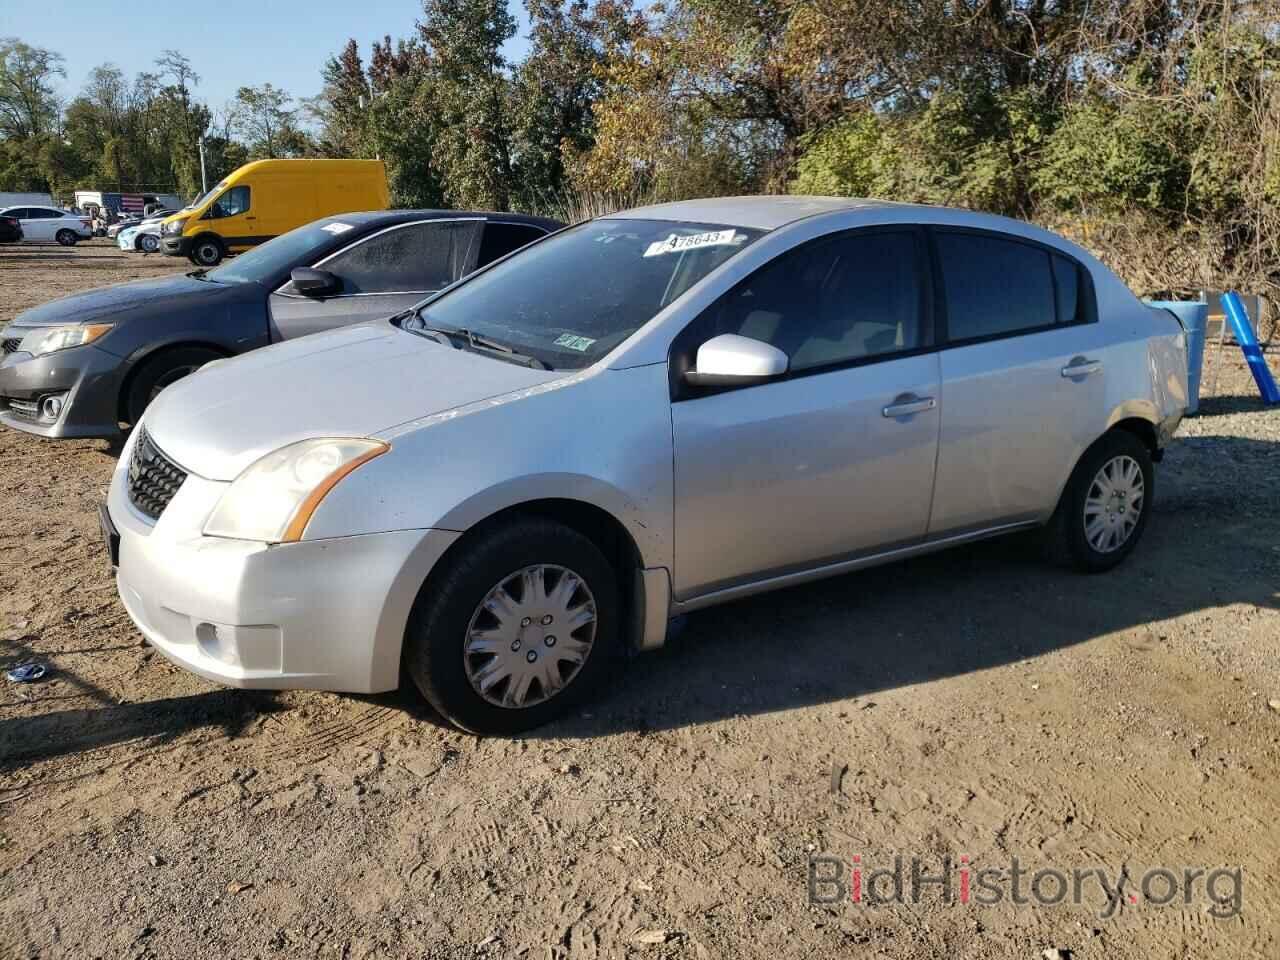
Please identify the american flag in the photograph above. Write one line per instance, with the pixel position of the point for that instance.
(132, 202)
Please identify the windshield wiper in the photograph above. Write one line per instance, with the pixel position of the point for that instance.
(197, 274)
(483, 344)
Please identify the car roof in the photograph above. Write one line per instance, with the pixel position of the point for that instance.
(390, 217)
(758, 213)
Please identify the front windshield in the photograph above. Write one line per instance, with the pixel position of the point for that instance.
(200, 201)
(570, 299)
(263, 263)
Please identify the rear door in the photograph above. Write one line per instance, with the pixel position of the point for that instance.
(836, 459)
(381, 274)
(1023, 378)
(38, 223)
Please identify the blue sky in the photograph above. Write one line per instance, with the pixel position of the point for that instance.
(231, 42)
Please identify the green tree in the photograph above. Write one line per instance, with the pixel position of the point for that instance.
(29, 105)
(464, 67)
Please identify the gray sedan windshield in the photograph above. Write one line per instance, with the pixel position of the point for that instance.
(570, 299)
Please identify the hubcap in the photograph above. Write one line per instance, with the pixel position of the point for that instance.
(1114, 504)
(530, 636)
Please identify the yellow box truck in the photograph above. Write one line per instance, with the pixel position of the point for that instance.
(266, 198)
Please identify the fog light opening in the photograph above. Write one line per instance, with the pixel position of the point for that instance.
(218, 644)
(51, 407)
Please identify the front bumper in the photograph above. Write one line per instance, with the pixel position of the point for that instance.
(319, 614)
(86, 378)
(178, 246)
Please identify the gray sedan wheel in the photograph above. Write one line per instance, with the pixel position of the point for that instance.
(67, 238)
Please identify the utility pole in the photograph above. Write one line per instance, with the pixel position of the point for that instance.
(204, 177)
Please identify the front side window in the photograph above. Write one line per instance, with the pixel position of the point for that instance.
(834, 301)
(234, 201)
(572, 298)
(416, 258)
(994, 286)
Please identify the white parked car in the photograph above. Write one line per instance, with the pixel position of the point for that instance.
(50, 225)
(143, 237)
(646, 414)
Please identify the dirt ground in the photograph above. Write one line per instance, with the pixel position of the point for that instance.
(975, 704)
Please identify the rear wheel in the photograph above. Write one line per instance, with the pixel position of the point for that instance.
(160, 371)
(207, 251)
(517, 630)
(67, 238)
(1103, 511)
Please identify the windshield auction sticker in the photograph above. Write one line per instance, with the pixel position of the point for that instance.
(574, 342)
(696, 241)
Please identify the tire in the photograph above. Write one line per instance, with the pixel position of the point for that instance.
(67, 238)
(207, 251)
(160, 371)
(148, 243)
(455, 604)
(1093, 529)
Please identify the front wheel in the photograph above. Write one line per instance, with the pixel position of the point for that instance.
(1105, 507)
(160, 371)
(207, 252)
(67, 238)
(517, 630)
(149, 243)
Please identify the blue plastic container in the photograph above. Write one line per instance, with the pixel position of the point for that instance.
(1194, 315)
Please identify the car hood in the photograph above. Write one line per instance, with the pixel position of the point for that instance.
(352, 382)
(95, 305)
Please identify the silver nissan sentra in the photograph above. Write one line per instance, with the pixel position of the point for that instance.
(527, 475)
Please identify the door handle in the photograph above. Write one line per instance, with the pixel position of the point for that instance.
(1080, 367)
(907, 405)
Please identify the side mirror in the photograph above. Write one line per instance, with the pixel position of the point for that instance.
(314, 283)
(730, 360)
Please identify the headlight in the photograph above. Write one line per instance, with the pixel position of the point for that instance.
(274, 498)
(174, 227)
(49, 339)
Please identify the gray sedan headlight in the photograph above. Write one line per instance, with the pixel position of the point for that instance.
(274, 498)
(51, 339)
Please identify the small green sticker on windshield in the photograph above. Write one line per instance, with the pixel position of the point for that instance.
(574, 342)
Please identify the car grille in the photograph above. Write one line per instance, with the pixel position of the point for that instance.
(27, 409)
(153, 477)
(10, 344)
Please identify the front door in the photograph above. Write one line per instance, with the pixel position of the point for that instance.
(233, 217)
(837, 458)
(381, 275)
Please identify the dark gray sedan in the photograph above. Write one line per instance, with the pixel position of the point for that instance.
(82, 365)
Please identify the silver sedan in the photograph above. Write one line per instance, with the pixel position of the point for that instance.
(526, 476)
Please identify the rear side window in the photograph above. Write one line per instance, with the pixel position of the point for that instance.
(994, 286)
(502, 238)
(417, 258)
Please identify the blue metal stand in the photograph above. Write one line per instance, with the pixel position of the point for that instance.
(1249, 344)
